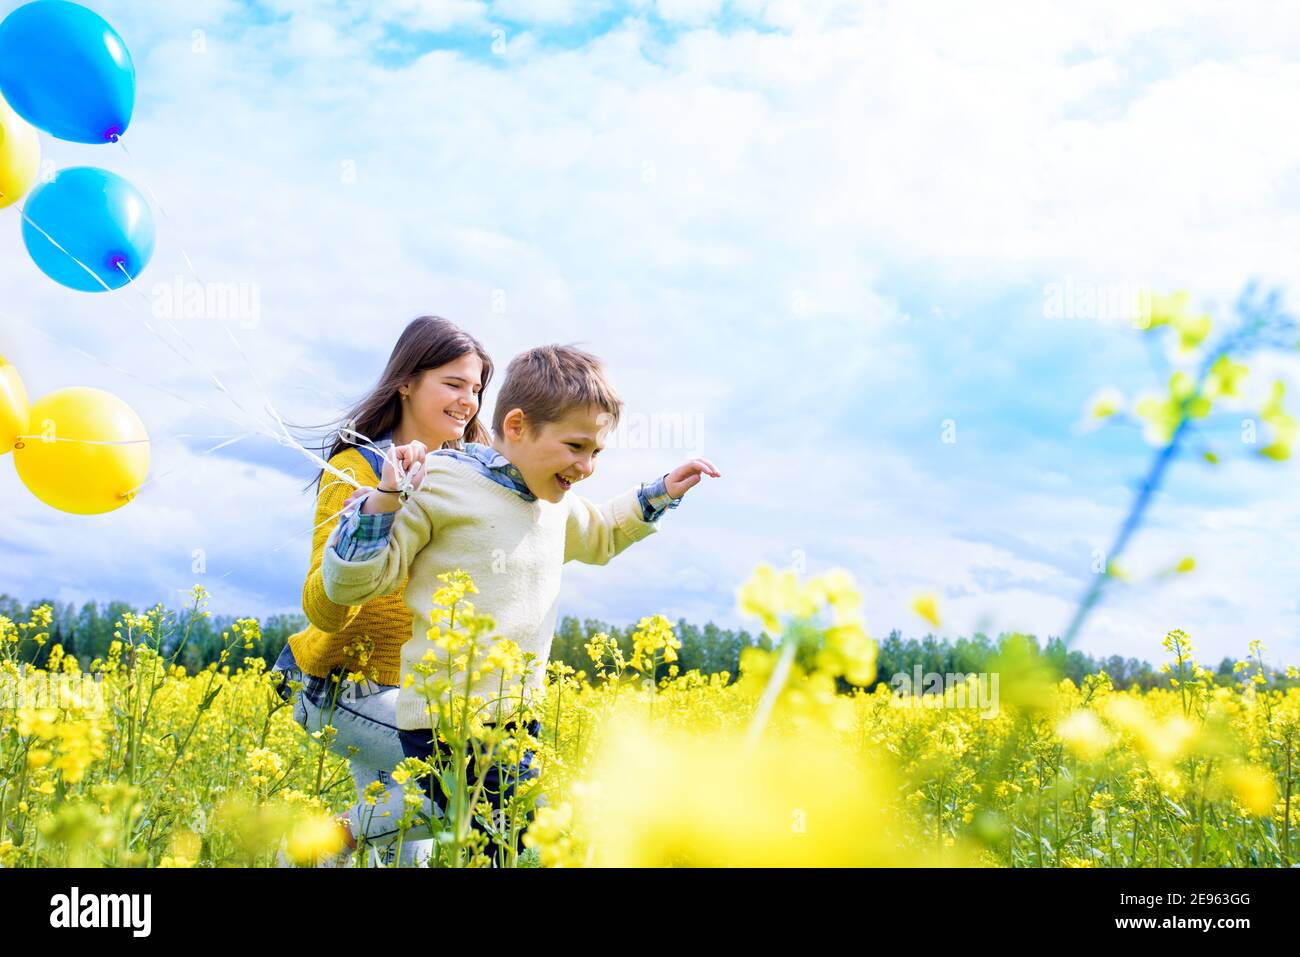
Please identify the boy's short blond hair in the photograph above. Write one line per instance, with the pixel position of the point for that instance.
(549, 381)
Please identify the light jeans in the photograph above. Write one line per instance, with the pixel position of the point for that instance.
(364, 715)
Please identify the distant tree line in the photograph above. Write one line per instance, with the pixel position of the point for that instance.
(88, 632)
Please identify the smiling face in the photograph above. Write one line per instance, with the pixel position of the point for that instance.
(440, 402)
(557, 455)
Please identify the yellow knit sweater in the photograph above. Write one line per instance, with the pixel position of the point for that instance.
(386, 620)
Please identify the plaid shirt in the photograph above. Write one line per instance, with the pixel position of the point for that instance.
(363, 536)
(319, 690)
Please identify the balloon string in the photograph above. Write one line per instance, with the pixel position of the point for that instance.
(260, 423)
(191, 359)
(261, 426)
(297, 535)
(368, 443)
(175, 395)
(284, 437)
(388, 454)
(59, 246)
(178, 435)
(190, 263)
(221, 445)
(52, 438)
(94, 275)
(130, 493)
(292, 443)
(131, 375)
(288, 440)
(158, 202)
(326, 521)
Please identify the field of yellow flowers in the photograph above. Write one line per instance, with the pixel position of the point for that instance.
(137, 763)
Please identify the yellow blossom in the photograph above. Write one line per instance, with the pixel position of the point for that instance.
(927, 607)
(1253, 787)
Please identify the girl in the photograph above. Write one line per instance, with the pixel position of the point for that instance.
(347, 660)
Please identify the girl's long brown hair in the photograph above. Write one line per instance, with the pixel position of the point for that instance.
(426, 343)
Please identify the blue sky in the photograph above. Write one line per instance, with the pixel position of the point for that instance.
(820, 229)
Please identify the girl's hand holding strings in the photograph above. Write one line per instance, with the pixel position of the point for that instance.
(403, 471)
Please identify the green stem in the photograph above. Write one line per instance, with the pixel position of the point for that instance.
(775, 685)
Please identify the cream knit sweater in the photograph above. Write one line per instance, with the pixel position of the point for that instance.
(512, 549)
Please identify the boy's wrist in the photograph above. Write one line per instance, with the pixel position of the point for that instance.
(379, 502)
(667, 489)
(656, 498)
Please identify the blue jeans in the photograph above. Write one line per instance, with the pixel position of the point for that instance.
(364, 714)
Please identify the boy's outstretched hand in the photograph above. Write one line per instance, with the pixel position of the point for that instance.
(685, 477)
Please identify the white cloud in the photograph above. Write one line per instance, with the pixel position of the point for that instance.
(723, 218)
(692, 12)
(562, 12)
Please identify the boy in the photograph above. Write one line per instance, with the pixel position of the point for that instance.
(503, 514)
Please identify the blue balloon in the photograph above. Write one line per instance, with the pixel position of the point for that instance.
(66, 71)
(99, 219)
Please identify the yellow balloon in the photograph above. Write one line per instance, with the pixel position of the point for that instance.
(67, 468)
(13, 406)
(20, 155)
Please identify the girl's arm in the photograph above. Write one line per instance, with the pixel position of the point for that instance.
(327, 615)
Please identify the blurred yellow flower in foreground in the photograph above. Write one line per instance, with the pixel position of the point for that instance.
(549, 834)
(663, 797)
(312, 837)
(769, 595)
(927, 606)
(1162, 742)
(825, 626)
(1106, 403)
(1253, 787)
(1084, 734)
